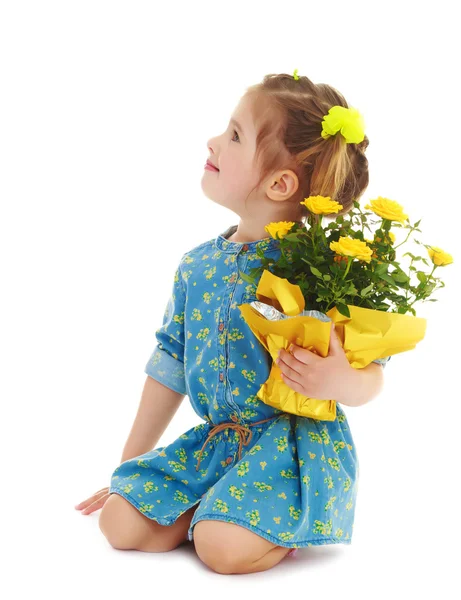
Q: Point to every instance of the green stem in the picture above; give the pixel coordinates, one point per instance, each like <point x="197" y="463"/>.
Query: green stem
<point x="428" y="279"/>
<point x="405" y="240"/>
<point x="349" y="262"/>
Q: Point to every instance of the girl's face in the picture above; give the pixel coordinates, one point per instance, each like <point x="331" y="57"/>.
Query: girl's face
<point x="232" y="153"/>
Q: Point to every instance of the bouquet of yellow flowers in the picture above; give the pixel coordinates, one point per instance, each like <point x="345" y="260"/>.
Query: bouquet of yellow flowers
<point x="348" y="279"/>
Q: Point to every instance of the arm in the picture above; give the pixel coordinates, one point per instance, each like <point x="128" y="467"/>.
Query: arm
<point x="157" y="407"/>
<point x="363" y="385"/>
<point x="165" y="386"/>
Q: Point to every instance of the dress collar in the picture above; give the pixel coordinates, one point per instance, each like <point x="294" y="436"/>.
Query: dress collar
<point x="265" y="244"/>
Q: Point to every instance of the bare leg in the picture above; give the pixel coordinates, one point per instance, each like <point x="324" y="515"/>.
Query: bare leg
<point x="267" y="561"/>
<point x="126" y="528"/>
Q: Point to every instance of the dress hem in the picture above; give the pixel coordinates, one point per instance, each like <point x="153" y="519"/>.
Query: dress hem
<point x="237" y="520"/>
<point x="159" y="520"/>
<point x="268" y="536"/>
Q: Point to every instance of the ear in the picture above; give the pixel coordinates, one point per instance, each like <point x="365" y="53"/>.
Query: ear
<point x="282" y="185"/>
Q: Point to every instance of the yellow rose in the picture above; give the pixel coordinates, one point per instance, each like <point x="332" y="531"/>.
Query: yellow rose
<point x="348" y="246"/>
<point x="439" y="257"/>
<point x="321" y="205"/>
<point x="281" y="228"/>
<point x="387" y="209"/>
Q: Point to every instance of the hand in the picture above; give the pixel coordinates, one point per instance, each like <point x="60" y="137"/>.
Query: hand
<point x="315" y="376"/>
<point x="94" y="502"/>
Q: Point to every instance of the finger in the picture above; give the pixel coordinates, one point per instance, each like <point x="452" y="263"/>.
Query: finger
<point x="286" y="359"/>
<point x="97" y="504"/>
<point x="306" y="356"/>
<point x="294" y="385"/>
<point x="89" y="500"/>
<point x="290" y="373"/>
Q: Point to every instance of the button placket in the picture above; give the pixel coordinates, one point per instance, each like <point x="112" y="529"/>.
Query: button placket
<point x="232" y="283"/>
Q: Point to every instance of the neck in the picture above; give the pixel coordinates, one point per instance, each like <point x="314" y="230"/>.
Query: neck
<point x="247" y="233"/>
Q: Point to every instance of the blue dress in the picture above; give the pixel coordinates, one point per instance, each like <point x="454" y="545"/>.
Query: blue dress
<point x="287" y="478"/>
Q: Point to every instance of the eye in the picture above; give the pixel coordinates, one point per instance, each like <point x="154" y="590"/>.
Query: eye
<point x="236" y="135"/>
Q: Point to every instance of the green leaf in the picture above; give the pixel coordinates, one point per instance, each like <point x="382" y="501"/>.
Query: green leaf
<point x="316" y="272"/>
<point x="381" y="268"/>
<point x="365" y="291"/>
<point x="387" y="278"/>
<point x="343" y="309"/>
<point x="291" y="237"/>
<point x="421" y="276"/>
<point x="352" y="290"/>
<point x="401" y="277"/>
<point x="246" y="278"/>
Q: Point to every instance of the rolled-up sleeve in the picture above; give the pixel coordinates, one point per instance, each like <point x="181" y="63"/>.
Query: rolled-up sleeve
<point x="166" y="363"/>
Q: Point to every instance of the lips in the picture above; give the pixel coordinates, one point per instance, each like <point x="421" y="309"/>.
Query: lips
<point x="210" y="164"/>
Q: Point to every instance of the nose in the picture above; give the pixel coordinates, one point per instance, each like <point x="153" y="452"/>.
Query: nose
<point x="211" y="153"/>
<point x="210" y="144"/>
<point x="213" y="144"/>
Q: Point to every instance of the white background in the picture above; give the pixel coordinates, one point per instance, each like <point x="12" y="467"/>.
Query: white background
<point x="105" y="111"/>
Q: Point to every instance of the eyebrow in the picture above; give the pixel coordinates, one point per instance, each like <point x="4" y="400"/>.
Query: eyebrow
<point x="237" y="124"/>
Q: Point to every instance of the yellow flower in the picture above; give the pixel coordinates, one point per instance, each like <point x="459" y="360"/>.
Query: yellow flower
<point x="281" y="228"/>
<point x="387" y="209"/>
<point x="321" y="205"/>
<point x="348" y="246"/>
<point x="439" y="257"/>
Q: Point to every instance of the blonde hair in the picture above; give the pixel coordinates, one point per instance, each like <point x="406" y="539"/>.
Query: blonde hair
<point x="288" y="116"/>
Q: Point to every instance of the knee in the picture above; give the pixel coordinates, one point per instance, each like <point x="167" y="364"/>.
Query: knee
<point x="214" y="550"/>
<point x="113" y="521"/>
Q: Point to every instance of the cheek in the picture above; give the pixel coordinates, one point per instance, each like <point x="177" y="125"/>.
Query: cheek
<point x="236" y="173"/>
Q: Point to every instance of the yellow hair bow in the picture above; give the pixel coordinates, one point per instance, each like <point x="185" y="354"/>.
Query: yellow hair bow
<point x="346" y="120"/>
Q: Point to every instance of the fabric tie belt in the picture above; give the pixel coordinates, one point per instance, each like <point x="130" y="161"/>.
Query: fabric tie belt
<point x="244" y="432"/>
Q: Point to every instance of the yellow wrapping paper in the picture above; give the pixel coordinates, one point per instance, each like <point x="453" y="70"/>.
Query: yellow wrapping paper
<point x="367" y="335"/>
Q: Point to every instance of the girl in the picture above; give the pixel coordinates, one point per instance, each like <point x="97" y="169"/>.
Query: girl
<point x="251" y="482"/>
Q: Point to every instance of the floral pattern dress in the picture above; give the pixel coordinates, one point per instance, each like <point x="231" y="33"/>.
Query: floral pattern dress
<point x="290" y="479"/>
